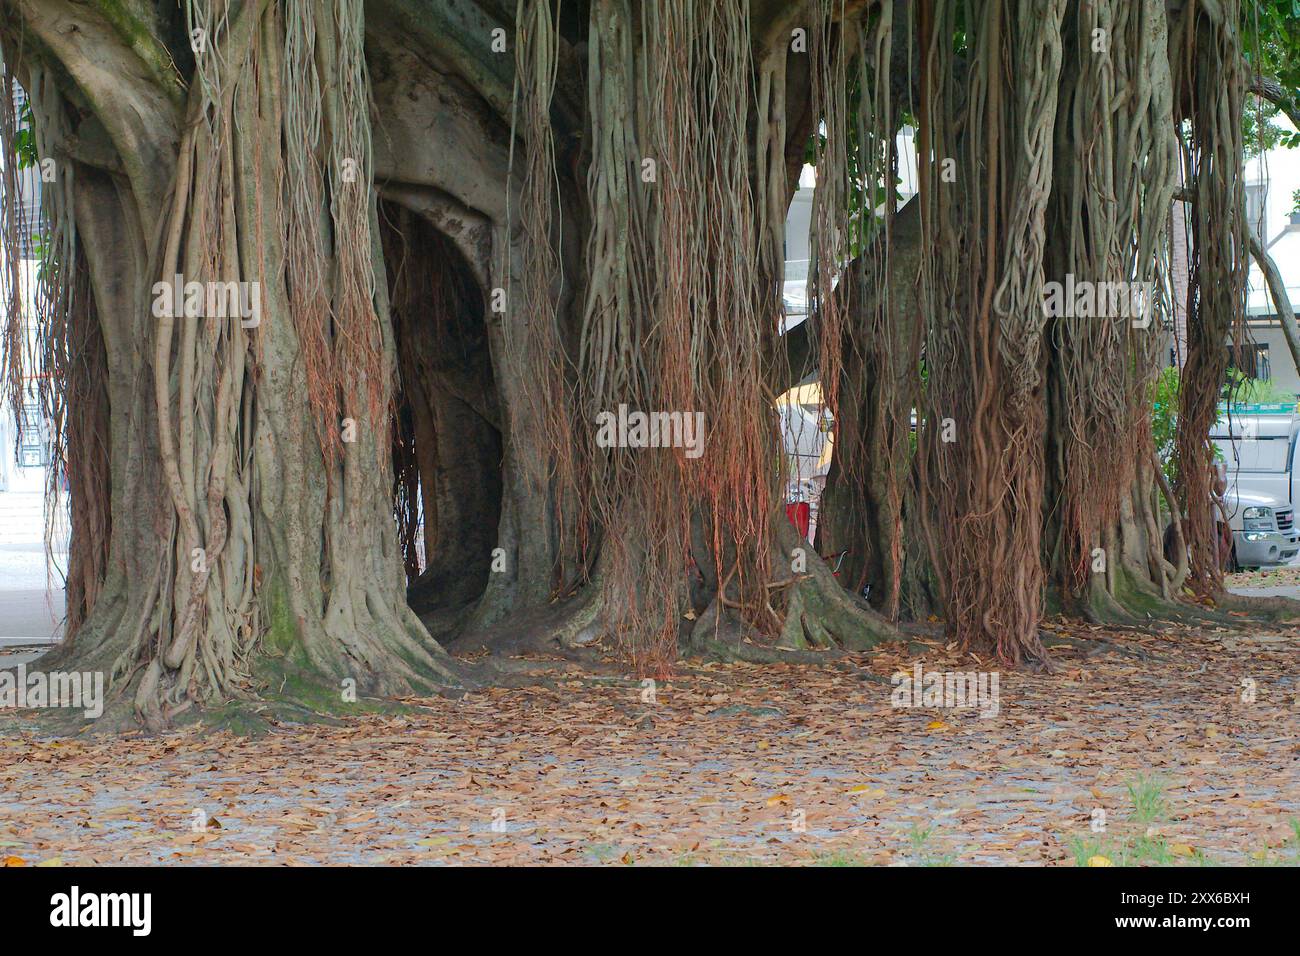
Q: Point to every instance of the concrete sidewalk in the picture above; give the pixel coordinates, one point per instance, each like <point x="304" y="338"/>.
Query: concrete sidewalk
<point x="30" y="616"/>
<point x="31" y="583"/>
<point x="13" y="655"/>
<point x="1282" y="591"/>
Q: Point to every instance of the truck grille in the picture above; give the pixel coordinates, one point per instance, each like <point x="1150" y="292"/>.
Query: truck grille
<point x="1285" y="520"/>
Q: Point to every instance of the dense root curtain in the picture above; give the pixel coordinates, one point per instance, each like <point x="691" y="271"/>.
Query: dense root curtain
<point x="1115" y="174"/>
<point x="985" y="177"/>
<point x="678" y="320"/>
<point x="1209" y="86"/>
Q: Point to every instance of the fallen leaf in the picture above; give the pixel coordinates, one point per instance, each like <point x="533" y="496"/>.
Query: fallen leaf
<point x="865" y="790"/>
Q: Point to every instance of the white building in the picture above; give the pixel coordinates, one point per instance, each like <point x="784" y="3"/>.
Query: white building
<point x="1272" y="195"/>
<point x="23" y="458"/>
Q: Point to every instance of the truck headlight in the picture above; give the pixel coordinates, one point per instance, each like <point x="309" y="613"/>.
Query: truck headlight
<point x="1257" y="519"/>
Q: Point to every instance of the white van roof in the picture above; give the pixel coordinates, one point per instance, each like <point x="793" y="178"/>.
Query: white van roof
<point x="1246" y="427"/>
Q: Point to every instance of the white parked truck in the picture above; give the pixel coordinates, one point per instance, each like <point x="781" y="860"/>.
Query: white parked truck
<point x="1259" y="449"/>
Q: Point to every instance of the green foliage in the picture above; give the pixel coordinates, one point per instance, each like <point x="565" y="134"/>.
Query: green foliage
<point x="918" y="839"/>
<point x="1164" y="420"/>
<point x="1147" y="795"/>
<point x="864" y="198"/>
<point x="840" y="858"/>
<point x="1271" y="41"/>
<point x="1288" y="854"/>
<point x="1260" y="131"/>
<point x="1136" y="841"/>
<point x="45" y="261"/>
<point x="25" y="139"/>
<point x="24" y="147"/>
<point x="1240" y="389"/>
<point x="868" y="190"/>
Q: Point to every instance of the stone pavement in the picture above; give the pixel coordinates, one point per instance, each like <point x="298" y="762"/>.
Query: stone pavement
<point x="31" y="589"/>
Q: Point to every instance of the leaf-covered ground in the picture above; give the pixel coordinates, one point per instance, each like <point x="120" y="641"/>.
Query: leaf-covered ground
<point x="730" y="764"/>
<point x="1283" y="576"/>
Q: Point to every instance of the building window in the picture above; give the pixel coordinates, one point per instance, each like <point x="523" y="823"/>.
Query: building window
<point x="1253" y="362"/>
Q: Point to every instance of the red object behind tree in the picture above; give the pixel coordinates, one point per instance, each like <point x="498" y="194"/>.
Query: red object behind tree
<point x="800" y="515"/>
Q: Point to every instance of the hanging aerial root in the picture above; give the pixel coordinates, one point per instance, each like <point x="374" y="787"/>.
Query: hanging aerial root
<point x="982" y="432"/>
<point x="1211" y="82"/>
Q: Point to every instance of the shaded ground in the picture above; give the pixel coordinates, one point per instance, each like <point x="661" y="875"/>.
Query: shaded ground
<point x="731" y="764"/>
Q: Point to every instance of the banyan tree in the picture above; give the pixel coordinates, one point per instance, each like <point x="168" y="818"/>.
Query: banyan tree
<point x="335" y="298"/>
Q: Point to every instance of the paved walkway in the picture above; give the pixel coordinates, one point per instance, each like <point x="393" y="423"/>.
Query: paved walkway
<point x="728" y="764"/>
<point x="30" y="616"/>
<point x="1281" y="581"/>
<point x="1289" y="592"/>
<point x="31" y="588"/>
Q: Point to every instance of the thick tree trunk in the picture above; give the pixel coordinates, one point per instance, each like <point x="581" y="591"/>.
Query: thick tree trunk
<point x="255" y="562"/>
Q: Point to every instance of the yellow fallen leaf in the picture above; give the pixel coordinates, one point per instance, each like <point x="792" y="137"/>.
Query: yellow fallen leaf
<point x="52" y="861"/>
<point x="1099" y="861"/>
<point x="867" y="791"/>
<point x="13" y="861"/>
<point x="1181" y="849"/>
<point x="779" y="800"/>
<point x="433" y="841"/>
<point x="937" y="725"/>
